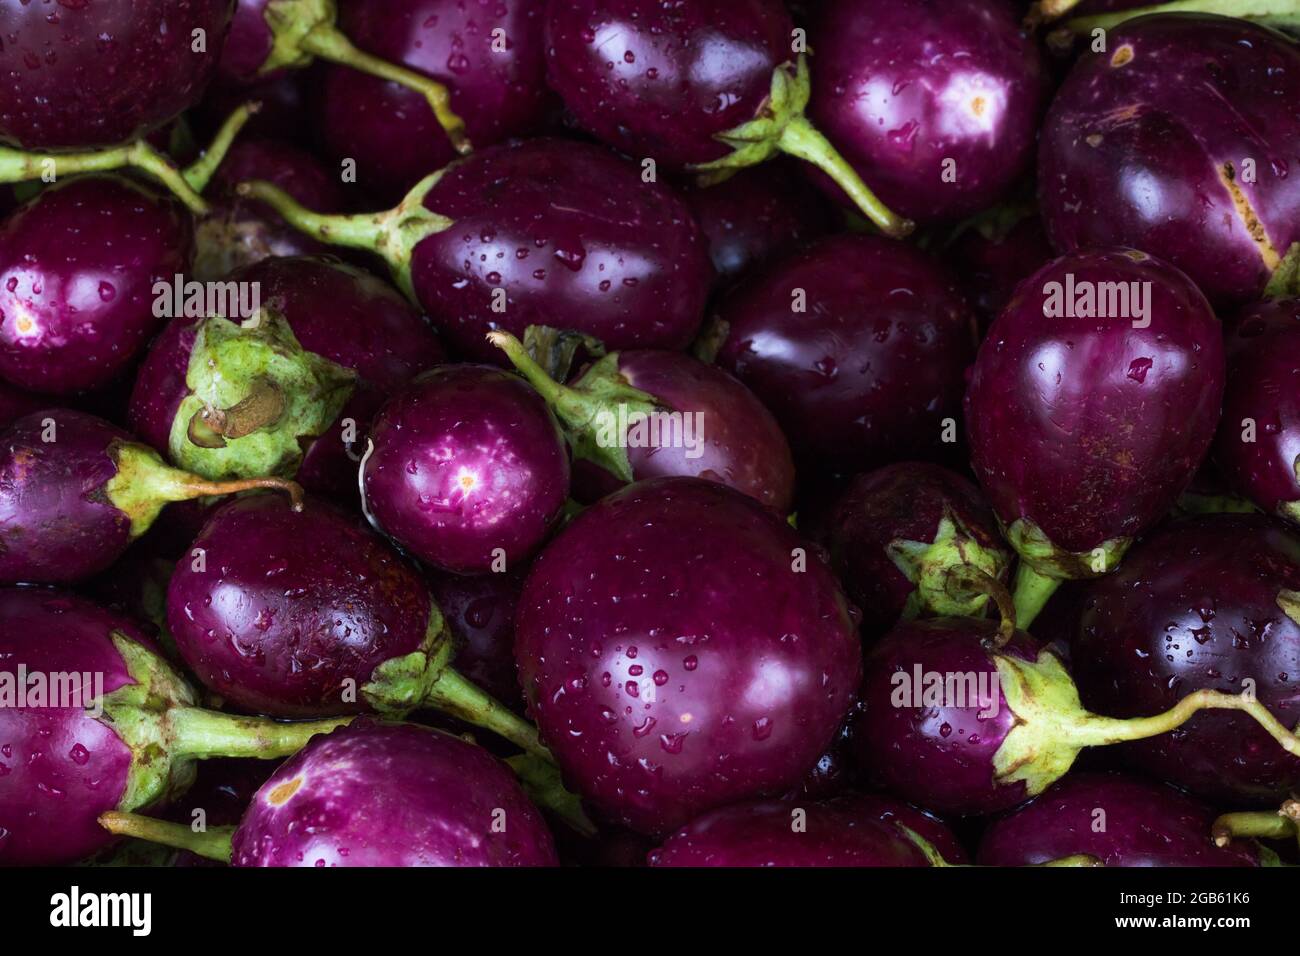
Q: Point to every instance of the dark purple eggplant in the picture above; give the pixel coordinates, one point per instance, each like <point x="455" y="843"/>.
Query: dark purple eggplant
<point x="935" y="103"/>
<point x="542" y="233"/>
<point x="479" y="610"/>
<point x="709" y="86"/>
<point x="270" y="36"/>
<point x="1091" y="405"/>
<point x="680" y="650"/>
<point x="857" y="345"/>
<point x="374" y="794"/>
<point x="963" y="716"/>
<point x="488" y="53"/>
<point x="781" y="833"/>
<point x="79" y="266"/>
<point x="1257" y="449"/>
<point x="1180" y="139"/>
<point x="75" y="491"/>
<point x="1206" y="603"/>
<point x="466" y="469"/>
<point x="993" y="256"/>
<point x="757" y="216"/>
<point x="1117" y="820"/>
<point x="92" y="720"/>
<point x="79" y="75"/>
<point x="646" y="413"/>
<point x="896" y="534"/>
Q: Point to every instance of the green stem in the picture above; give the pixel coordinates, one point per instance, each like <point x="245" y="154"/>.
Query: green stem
<point x="203" y="734"/>
<point x="800" y="138"/>
<point x="964" y="579"/>
<point x="213" y="844"/>
<point x="1033" y="591"/>
<point x="199" y="173"/>
<point x="552" y="391"/>
<point x="1079" y="859"/>
<point x="1277" y="13"/>
<point x="329" y="43"/>
<point x="453" y="694"/>
<point x="541" y="780"/>
<point x="1263" y="824"/>
<point x="1094" y="730"/>
<point x="18" y="166"/>
<point x="392" y="234"/>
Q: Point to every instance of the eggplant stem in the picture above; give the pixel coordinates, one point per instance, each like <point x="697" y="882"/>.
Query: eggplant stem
<point x="213" y="844"/>
<point x="203" y="734"/>
<point x="1033" y="591"/>
<point x="327" y="42"/>
<point x="967" y="577"/>
<point x="199" y="173"/>
<point x="195" y="487"/>
<point x="1265" y="824"/>
<point x="455" y="695"/>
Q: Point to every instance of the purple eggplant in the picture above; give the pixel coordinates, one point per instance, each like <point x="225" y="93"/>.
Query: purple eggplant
<point x="653" y="414"/>
<point x="1259" y="319"/>
<point x="290" y="389"/>
<point x="488" y="53"/>
<point x="935" y="103"/>
<point x="1211" y="602"/>
<point x="680" y="650"/>
<point x="1091" y="405"/>
<point x="479" y="610"/>
<point x="374" y="794"/>
<point x="857" y="345"/>
<point x="79" y="264"/>
<point x="776" y="833"/>
<point x="1181" y="140"/>
<point x="963" y="716"/>
<point x="310" y="613"/>
<point x="709" y="86"/>
<point x="1117" y="820"/>
<point x="268" y="37"/>
<point x="547" y="233"/>
<point x="75" y="491"/>
<point x="80" y="75"/>
<point x="466" y="469"/>
<point x="238" y="233"/>
<point x="1257" y="449"/>
<point x="897" y="532"/>
<point x="92" y="720"/>
<point x="758" y="215"/>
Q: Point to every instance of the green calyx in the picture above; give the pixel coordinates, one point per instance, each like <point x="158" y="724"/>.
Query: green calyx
<point x="255" y="395"/>
<point x="541" y="781"/>
<point x="596" y="413"/>
<point x="402" y="684"/>
<point x="930" y="565"/>
<point x="1052" y="726"/>
<point x="1285" y="282"/>
<point x="1275" y="13"/>
<point x="781" y="126"/>
<point x="144" y="484"/>
<point x="1044" y="565"/>
<point x="156" y="717"/>
<point x="303" y="30"/>
<point x="392" y="234"/>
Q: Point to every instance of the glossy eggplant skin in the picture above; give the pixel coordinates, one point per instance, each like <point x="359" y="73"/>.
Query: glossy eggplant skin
<point x="1090" y="427"/>
<point x="468" y="469"/>
<point x="78" y="266"/>
<point x="575" y="239"/>
<point x="1196" y="605"/>
<point x="1118" y="820"/>
<point x="857" y="344"/>
<point x="59" y="749"/>
<point x="764" y="834"/>
<point x="488" y="53"/>
<point x="1258" y="443"/>
<point x="936" y="103"/>
<point x="1181" y="140"/>
<point x="662" y="80"/>
<point x="399" y="795"/>
<point x="99" y="73"/>
<point x="674" y="658"/>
